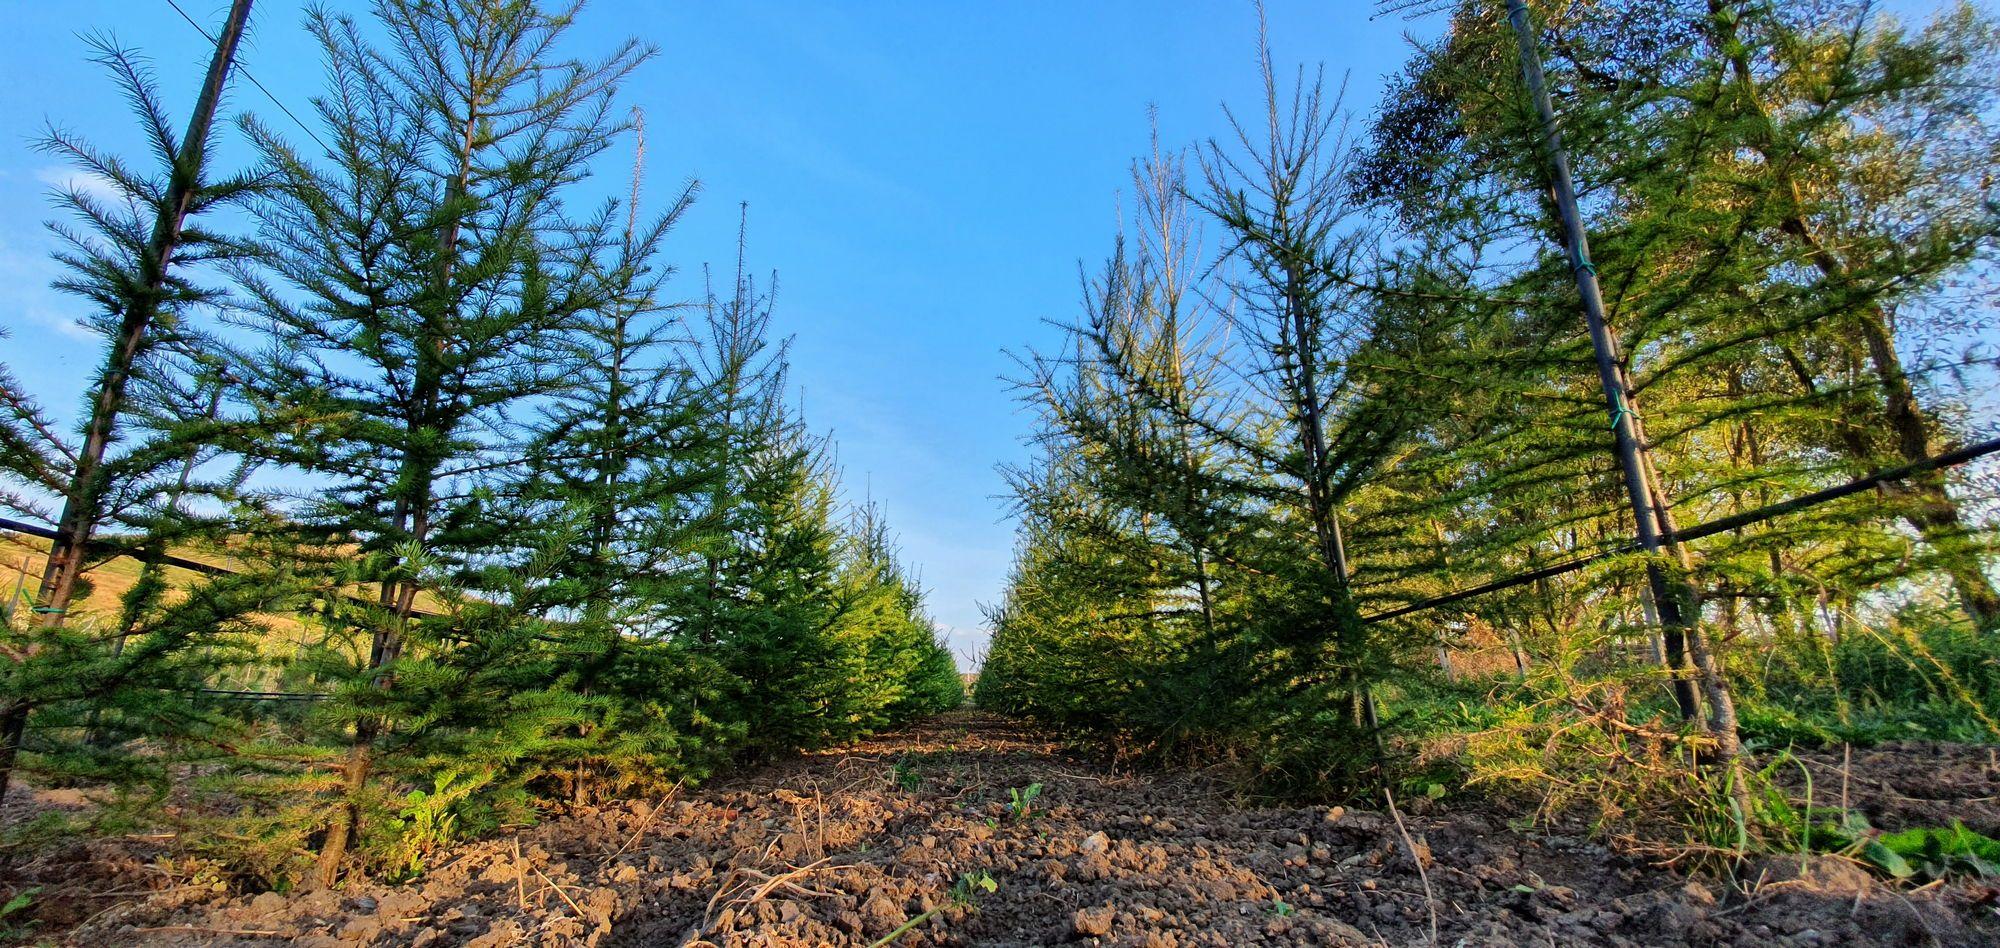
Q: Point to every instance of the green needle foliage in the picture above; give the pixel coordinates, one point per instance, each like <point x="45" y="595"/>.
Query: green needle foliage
<point x="1371" y="385"/>
<point x="563" y="536"/>
<point x="77" y="686"/>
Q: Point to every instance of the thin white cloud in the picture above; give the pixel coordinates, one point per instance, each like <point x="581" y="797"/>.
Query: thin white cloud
<point x="64" y="324"/>
<point x="26" y="298"/>
<point x="63" y="178"/>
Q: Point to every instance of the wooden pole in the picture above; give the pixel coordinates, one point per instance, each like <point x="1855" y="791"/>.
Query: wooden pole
<point x="82" y="505"/>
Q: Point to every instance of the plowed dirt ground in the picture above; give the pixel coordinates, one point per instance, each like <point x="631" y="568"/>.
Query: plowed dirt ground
<point x="842" y="848"/>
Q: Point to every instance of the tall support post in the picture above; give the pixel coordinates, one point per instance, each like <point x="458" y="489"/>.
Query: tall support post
<point x="1678" y="611"/>
<point x="83" y="503"/>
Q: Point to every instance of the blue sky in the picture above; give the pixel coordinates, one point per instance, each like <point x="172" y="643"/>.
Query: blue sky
<point x="924" y="177"/>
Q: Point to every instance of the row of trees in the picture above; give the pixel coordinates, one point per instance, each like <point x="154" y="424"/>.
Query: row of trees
<point x="1329" y="371"/>
<point x="502" y="520"/>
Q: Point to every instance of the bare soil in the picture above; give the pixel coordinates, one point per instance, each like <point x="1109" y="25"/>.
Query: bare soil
<point x="841" y="848"/>
<point x="1909" y="784"/>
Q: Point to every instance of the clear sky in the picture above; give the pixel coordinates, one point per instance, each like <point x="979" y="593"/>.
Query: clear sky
<point x="925" y="178"/>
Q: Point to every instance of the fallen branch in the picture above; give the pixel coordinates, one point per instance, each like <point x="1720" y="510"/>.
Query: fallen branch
<point x="1430" y="897"/>
<point x="578" y="909"/>
<point x="770" y="883"/>
<point x="647" y="823"/>
<point x="206" y="930"/>
<point x="520" y="880"/>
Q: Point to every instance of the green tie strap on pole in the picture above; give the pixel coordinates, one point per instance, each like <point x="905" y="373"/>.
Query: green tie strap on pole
<point x="1618" y="411"/>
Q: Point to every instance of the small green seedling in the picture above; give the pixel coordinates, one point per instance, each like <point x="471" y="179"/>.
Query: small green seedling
<point x="968" y="890"/>
<point x="19" y="903"/>
<point x="907" y="777"/>
<point x="973" y="885"/>
<point x="1021" y="800"/>
<point x="1934" y="853"/>
<point x="1283" y="909"/>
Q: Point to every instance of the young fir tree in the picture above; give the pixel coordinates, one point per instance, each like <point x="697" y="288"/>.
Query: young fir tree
<point x="776" y="591"/>
<point x="132" y="258"/>
<point x="1131" y="464"/>
<point x="885" y="646"/>
<point x="1333" y="419"/>
<point x="420" y="277"/>
<point x="621" y="460"/>
<point x="817" y="628"/>
<point x="1188" y="532"/>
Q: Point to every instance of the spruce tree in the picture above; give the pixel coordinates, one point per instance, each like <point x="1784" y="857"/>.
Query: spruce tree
<point x="620" y="459"/>
<point x="1206" y="444"/>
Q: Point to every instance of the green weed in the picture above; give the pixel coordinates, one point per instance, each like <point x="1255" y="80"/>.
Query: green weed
<point x="1773" y="823"/>
<point x="968" y="890"/>
<point x="22" y="900"/>
<point x="1021" y="801"/>
<point x="906" y="776"/>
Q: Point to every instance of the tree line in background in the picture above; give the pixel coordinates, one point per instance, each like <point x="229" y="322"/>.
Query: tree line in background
<point x="504" y="523"/>
<point x="1329" y="370"/>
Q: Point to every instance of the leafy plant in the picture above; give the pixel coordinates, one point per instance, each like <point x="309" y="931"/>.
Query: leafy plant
<point x="431" y="820"/>
<point x="906" y="775"/>
<point x="968" y="890"/>
<point x="1934" y="853"/>
<point x="1775" y="823"/>
<point x="1021" y="801"/>
<point x="15" y="906"/>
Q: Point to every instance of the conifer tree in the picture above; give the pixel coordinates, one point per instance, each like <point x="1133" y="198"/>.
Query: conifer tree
<point x="421" y="274"/>
<point x="885" y="647"/>
<point x="819" y="629"/>
<point x="1188" y="550"/>
<point x="1713" y="155"/>
<point x="130" y="260"/>
<point x="777" y="606"/>
<point x="620" y="459"/>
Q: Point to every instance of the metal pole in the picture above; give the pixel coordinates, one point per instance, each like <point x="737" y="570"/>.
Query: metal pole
<point x="1638" y="485"/>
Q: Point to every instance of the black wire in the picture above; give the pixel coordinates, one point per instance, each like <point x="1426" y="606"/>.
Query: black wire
<point x="247" y="74"/>
<point x="1713" y="527"/>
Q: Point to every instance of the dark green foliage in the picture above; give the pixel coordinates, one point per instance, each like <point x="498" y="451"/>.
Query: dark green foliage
<point x="77" y="688"/>
<point x="565" y="540"/>
<point x="933" y="682"/>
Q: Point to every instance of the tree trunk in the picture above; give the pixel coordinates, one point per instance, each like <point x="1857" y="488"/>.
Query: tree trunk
<point x="419" y="466"/>
<point x="82" y="502"/>
<point x="1936" y="515"/>
<point x="1348" y="642"/>
<point x="1674" y="598"/>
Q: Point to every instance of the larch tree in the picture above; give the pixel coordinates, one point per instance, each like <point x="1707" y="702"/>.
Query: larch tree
<point x="131" y="260"/>
<point x="420" y="273"/>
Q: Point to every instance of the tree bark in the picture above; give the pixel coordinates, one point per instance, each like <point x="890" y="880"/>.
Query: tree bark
<point x="1679" y="610"/>
<point x="1936" y="514"/>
